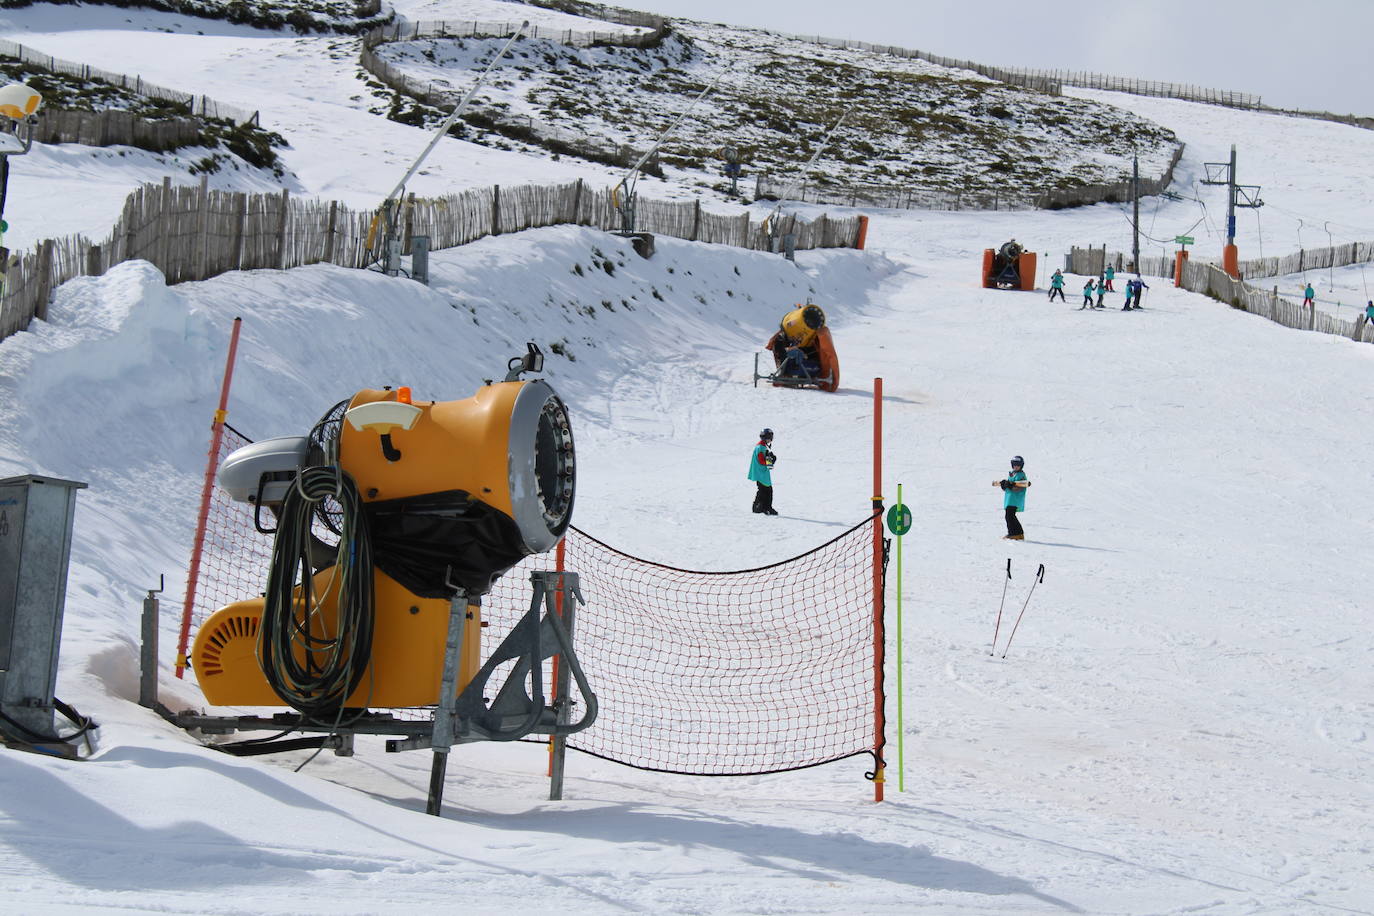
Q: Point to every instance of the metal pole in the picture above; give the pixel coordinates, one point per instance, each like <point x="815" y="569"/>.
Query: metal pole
<point x="1231" y="200"/>
<point x="147" y="681"/>
<point x="879" y="635"/>
<point x="448" y="122"/>
<point x="441" y="739"/>
<point x="1135" y="218"/>
<point x="901" y="756"/>
<point x="564" y="604"/>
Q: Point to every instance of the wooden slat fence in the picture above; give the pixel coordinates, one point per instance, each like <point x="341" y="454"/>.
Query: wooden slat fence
<point x="447" y="28"/>
<point x="114" y="127"/>
<point x="1010" y="198"/>
<point x="1088" y="80"/>
<point x="1215" y="282"/>
<point x="1091" y="262"/>
<point x="195" y="105"/>
<point x="1308" y="259"/>
<point x="190" y="232"/>
<point x="603" y="12"/>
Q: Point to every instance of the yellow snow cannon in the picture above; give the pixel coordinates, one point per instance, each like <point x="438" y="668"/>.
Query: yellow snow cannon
<point x="395" y="506"/>
<point x="803" y="352"/>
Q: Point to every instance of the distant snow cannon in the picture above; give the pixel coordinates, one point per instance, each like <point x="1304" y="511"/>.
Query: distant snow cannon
<point x="1009" y="267"/>
<point x="803" y="352"/>
<point x="386" y="513"/>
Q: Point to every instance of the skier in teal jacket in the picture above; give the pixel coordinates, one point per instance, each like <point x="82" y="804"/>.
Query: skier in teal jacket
<point x="761" y="472"/>
<point x="1014" y="497"/>
<point x="1057" y="286"/>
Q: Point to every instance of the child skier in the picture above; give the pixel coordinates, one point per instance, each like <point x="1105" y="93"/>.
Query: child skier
<point x="1101" y="291"/>
<point x="1087" y="295"/>
<point x="1014" y="497"/>
<point x="760" y="471"/>
<point x="1057" y="286"/>
<point x="1309" y="297"/>
<point x="1110" y="275"/>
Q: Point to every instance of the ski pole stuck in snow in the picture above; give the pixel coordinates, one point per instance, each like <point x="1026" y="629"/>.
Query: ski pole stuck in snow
<point x="1039" y="577"/>
<point x="998" y="625"/>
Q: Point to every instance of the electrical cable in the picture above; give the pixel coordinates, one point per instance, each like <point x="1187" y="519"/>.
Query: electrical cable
<point x="311" y="662"/>
<point x="83" y="724"/>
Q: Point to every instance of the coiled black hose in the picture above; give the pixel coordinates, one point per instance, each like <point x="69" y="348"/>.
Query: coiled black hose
<point x="314" y="660"/>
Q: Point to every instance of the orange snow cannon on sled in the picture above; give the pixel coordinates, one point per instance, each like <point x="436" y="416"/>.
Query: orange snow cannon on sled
<point x="803" y="352"/>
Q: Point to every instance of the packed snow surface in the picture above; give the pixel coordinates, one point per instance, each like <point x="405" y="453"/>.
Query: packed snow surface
<point x="1183" y="723"/>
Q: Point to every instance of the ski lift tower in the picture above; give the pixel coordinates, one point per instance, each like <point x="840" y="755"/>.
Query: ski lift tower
<point x="18" y="115"/>
<point x="1238" y="195"/>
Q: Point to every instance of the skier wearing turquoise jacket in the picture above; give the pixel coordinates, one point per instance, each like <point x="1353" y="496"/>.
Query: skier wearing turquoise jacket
<point x="1014" y="497"/>
<point x="1057" y="286"/>
<point x="761" y="472"/>
<point x="1369" y="311"/>
<point x="1109" y="275"/>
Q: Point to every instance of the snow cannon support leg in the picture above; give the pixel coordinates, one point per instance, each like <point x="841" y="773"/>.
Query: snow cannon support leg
<point x="988" y="281"/>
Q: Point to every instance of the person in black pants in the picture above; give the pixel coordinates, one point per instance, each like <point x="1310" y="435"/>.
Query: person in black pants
<point x="1014" y="497"/>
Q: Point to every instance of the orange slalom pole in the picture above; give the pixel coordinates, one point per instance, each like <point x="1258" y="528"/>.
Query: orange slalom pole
<point x="216" y="437"/>
<point x="879" y="631"/>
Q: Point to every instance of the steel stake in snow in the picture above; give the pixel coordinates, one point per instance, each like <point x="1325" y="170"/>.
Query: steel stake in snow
<point x="1039" y="577"/>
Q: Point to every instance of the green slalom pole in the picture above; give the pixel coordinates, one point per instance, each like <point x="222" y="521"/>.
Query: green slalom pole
<point x="901" y="724"/>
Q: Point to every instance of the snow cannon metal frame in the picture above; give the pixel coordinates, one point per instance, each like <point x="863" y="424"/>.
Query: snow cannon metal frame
<point x="819" y="366"/>
<point x="1009" y="269"/>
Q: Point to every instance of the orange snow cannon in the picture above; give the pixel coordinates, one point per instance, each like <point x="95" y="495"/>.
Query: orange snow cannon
<point x="803" y="352"/>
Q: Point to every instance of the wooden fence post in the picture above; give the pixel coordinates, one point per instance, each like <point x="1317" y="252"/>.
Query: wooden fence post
<point x="164" y="237"/>
<point x="408" y="232"/>
<point x="696" y="220"/>
<point x="241" y="225"/>
<point x="93" y="261"/>
<point x="329" y="233"/>
<point x="577" y="204"/>
<point x="281" y="228"/>
<point x="203" y="255"/>
<point x="496" y="209"/>
<point x="44" y="280"/>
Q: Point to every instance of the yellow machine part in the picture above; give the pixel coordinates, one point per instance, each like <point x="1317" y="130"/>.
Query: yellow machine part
<point x="454" y="445"/>
<point x="794" y="326"/>
<point x="407" y="649"/>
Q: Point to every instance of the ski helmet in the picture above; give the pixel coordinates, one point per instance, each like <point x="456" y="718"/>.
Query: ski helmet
<point x="1017" y="461"/>
<point x="766" y="435"/>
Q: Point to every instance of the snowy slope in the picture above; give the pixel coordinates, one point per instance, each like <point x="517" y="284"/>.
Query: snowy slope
<point x="1182" y="725"/>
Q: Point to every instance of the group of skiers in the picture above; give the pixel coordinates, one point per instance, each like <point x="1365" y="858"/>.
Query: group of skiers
<point x="1135" y="290"/>
<point x="1014" y="485"/>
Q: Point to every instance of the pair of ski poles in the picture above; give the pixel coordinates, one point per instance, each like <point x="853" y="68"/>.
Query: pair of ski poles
<point x="1039" y="577"/>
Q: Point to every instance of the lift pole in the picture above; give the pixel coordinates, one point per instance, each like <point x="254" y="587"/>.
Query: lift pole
<point x="393" y="199"/>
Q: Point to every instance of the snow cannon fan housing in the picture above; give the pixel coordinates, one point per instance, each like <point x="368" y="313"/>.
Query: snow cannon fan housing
<point x="458" y="492"/>
<point x="803" y="323"/>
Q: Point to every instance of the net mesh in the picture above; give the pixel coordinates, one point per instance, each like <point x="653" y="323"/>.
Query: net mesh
<point x="704" y="673"/>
